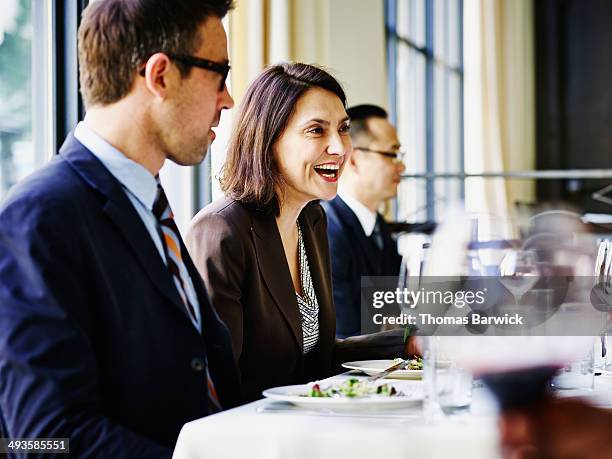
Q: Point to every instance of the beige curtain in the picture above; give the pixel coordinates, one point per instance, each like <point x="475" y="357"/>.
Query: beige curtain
<point x="348" y="40"/>
<point x="499" y="101"/>
<point x="263" y="32"/>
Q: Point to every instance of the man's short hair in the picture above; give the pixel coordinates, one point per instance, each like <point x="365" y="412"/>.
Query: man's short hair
<point x="116" y="37"/>
<point x="359" y="114"/>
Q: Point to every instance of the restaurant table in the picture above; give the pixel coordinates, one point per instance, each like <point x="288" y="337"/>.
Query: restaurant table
<point x="268" y="430"/>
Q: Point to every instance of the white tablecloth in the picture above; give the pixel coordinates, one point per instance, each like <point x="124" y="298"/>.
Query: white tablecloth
<point x="246" y="432"/>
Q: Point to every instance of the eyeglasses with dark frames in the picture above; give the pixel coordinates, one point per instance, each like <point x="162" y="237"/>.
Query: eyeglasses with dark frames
<point x="192" y="61"/>
<point x="222" y="68"/>
<point x="396" y="156"/>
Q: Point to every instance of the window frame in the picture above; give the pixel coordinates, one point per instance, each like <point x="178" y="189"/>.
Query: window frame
<point x="428" y="52"/>
<point x="69" y="108"/>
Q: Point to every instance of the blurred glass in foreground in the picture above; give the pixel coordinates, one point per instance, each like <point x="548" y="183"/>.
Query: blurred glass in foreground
<point x="541" y="263"/>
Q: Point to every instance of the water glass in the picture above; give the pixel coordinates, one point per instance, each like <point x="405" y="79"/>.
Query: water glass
<point x="447" y="386"/>
<point x="454" y="388"/>
<point x="577" y="375"/>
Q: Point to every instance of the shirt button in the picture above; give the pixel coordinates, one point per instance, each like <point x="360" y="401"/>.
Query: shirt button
<point x="197" y="364"/>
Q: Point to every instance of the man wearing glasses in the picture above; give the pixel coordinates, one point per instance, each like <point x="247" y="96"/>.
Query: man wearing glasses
<point x="107" y="336"/>
<point x="360" y="242"/>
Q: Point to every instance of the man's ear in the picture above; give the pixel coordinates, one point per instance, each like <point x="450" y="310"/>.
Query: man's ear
<point x="157" y="74"/>
<point x="353" y="159"/>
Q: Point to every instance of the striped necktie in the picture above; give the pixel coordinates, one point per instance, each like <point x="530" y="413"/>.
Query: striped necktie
<point x="171" y="240"/>
<point x="172" y="247"/>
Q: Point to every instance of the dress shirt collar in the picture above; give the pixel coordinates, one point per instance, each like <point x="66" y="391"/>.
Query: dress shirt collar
<point x="366" y="217"/>
<point x="134" y="177"/>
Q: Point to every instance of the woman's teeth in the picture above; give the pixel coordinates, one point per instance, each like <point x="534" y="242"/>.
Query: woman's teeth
<point x="327" y="170"/>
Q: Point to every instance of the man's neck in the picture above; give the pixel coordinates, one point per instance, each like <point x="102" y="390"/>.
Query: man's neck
<point x="356" y="193"/>
<point x="127" y="132"/>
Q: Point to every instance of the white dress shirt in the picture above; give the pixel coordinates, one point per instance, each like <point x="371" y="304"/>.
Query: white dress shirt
<point x="139" y="185"/>
<point x="366" y="217"/>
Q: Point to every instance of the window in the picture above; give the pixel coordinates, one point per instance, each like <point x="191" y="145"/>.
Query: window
<point x="16" y="147"/>
<point x="26" y="116"/>
<point x="424" y="54"/>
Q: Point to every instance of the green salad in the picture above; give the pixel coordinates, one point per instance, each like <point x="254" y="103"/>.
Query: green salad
<point x="415" y="364"/>
<point x="351" y="388"/>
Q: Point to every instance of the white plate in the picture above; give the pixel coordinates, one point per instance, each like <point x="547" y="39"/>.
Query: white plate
<point x="371" y="367"/>
<point x="295" y="395"/>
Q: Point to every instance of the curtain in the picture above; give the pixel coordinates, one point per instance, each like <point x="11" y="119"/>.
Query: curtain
<point x="264" y="32"/>
<point x="499" y="78"/>
<point x="349" y="41"/>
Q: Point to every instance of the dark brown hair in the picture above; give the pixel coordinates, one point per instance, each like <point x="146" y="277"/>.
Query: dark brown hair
<point x="250" y="174"/>
<point x="118" y="36"/>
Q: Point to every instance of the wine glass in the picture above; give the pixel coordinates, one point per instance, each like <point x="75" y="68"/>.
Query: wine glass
<point x="602" y="274"/>
<point x="518" y="368"/>
<point x="491" y="237"/>
<point x="602" y="261"/>
<point x="519" y="272"/>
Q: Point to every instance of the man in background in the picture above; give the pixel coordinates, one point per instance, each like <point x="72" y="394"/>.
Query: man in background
<point x="107" y="336"/>
<point x="359" y="238"/>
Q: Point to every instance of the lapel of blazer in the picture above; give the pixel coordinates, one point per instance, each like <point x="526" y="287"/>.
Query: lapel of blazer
<point x="392" y="260"/>
<point x="350" y="221"/>
<point x="217" y="341"/>
<point x="125" y="218"/>
<point x="274" y="269"/>
<point x="213" y="329"/>
<point x="313" y="224"/>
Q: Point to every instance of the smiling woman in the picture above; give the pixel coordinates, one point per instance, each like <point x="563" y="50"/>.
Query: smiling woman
<point x="262" y="250"/>
<point x="289" y="108"/>
<point x="318" y="130"/>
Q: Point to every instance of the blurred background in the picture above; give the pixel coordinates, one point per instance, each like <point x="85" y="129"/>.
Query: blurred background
<point x="486" y="94"/>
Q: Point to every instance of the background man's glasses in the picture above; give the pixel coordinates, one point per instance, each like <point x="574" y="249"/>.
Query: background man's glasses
<point x="396" y="156"/>
<point x="222" y="68"/>
<point x="192" y="61"/>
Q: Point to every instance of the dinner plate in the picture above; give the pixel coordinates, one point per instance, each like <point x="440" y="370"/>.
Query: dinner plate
<point x="296" y="395"/>
<point x="371" y="367"/>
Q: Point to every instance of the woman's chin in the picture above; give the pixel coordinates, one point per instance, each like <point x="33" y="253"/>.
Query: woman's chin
<point x="328" y="195"/>
<point x="319" y="193"/>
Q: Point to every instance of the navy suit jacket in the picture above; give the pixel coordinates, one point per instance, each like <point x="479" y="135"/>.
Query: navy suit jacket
<point x="95" y="342"/>
<point x="353" y="255"/>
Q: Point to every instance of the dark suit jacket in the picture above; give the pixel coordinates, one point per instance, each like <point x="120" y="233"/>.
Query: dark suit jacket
<point x="240" y="255"/>
<point x="95" y="343"/>
<point x="353" y="255"/>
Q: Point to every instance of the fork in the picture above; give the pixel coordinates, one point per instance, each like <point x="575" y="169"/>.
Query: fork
<point x="389" y="370"/>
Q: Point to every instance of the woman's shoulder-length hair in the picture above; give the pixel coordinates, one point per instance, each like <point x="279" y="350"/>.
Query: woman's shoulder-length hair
<point x="250" y="174"/>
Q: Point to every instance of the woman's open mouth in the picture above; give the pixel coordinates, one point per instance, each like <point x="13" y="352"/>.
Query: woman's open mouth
<point x="328" y="172"/>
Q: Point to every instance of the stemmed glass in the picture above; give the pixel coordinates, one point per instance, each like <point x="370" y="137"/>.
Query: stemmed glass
<point x="491" y="237"/>
<point x="602" y="273"/>
<point x="602" y="260"/>
<point x="519" y="272"/>
<point x="518" y="368"/>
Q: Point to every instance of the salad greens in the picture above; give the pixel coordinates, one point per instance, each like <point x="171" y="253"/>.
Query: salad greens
<point x="415" y="364"/>
<point x="353" y="387"/>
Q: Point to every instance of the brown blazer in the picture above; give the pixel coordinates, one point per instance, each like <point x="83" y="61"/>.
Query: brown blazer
<point x="239" y="253"/>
